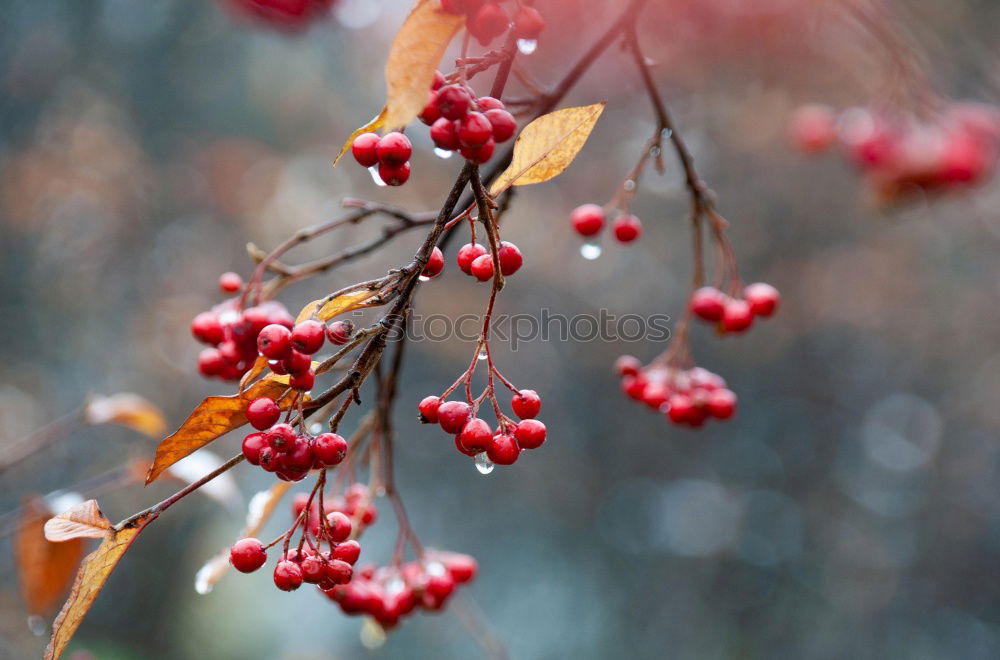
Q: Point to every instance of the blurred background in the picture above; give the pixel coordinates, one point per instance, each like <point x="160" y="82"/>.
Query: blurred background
<point x="849" y="510"/>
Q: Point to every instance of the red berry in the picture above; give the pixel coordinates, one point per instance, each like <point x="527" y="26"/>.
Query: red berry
<point x="230" y="282"/>
<point x="338" y="333"/>
<point x="627" y="365"/>
<point x="476" y="436"/>
<point x="281" y="437"/>
<point x="530" y="434"/>
<point x="482" y="267"/>
<point x="627" y="228"/>
<point x="263" y="413"/>
<point x="430" y="113"/>
<point x="297" y="363"/>
<point x="460" y="447"/>
<point x="721" y="404"/>
<point x="503" y="123"/>
<point x="479" y="154"/>
<point x="211" y="362"/>
<point x="813" y="128"/>
<point x="206" y="328"/>
<point x="329" y="448"/>
<point x="528" y="23"/>
<point x="444" y="134"/>
<point x="526" y="404"/>
<point x="708" y="303"/>
<point x="736" y="316"/>
<point x="587" y="219"/>
<point x="429" y="409"/>
<point x="338" y="571"/>
<point x="300" y="457"/>
<point x="364" y="149"/>
<point x="467" y="254"/>
<point x="503" y="450"/>
<point x="267" y="458"/>
<point x="453" y="101"/>
<point x="681" y="409"/>
<point x="252" y="444"/>
<point x="287" y="575"/>
<point x="453" y="6"/>
<point x="303" y="381"/>
<point x="348" y="551"/>
<point x="339" y="526"/>
<point x="474" y="130"/>
<point x="307" y="336"/>
<point x="394" y="175"/>
<point x="763" y="298"/>
<point x="313" y="568"/>
<point x="247" y="555"/>
<point x="438" y="77"/>
<point x="278" y="367"/>
<point x="452" y="415"/>
<point x="510" y="258"/>
<point x="487" y="103"/>
<point x="394" y="149"/>
<point x="274" y="342"/>
<point x="488" y="23"/>
<point x="435" y="263"/>
<point x="462" y="568"/>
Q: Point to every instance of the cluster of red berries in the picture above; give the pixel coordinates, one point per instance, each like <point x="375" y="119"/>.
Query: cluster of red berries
<point x="289" y="349"/>
<point x="461" y="122"/>
<point x="685" y="396"/>
<point x="474" y="436"/>
<point x="487" y="20"/>
<point x="291" y="15"/>
<point x="232" y="335"/>
<point x="731" y="314"/>
<point x="589" y="219"/>
<point x="476" y="260"/>
<point x="279" y="449"/>
<point x="356" y="503"/>
<point x="898" y="155"/>
<point x="391" y="153"/>
<point x="389" y="593"/>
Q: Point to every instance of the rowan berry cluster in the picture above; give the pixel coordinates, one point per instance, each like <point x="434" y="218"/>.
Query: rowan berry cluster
<point x="685" y="396"/>
<point x="462" y="122"/>
<point x="733" y="314"/>
<point x="589" y="219"/>
<point x="291" y="15"/>
<point x="389" y="593"/>
<point x="475" y="259"/>
<point x="356" y="503"/>
<point x="286" y="453"/>
<point x="231" y="333"/>
<point x="899" y="154"/>
<point x="487" y="20"/>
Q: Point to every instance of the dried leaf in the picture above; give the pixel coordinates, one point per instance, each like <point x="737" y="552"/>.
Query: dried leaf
<point x="127" y="409"/>
<point x="372" y="126"/>
<point x="84" y="520"/>
<point x="548" y="145"/>
<point x="94" y="572"/>
<point x="339" y="305"/>
<point x="213" y="418"/>
<point x="45" y="569"/>
<point x="259" y="365"/>
<point x="414" y="54"/>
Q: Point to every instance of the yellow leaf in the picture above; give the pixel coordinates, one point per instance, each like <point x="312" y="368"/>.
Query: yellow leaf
<point x="94" y="572"/>
<point x="214" y="417"/>
<point x="44" y="568"/>
<point x="84" y="520"/>
<point x="414" y="54"/>
<point x="548" y="145"/>
<point x="372" y="126"/>
<point x="127" y="409"/>
<point x="325" y="310"/>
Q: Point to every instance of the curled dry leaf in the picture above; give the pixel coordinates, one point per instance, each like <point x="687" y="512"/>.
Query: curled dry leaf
<point x="127" y="409"/>
<point x="94" y="572"/>
<point x="214" y="417"/>
<point x="84" y="520"/>
<point x="325" y="310"/>
<point x="259" y="365"/>
<point x="44" y="568"/>
<point x="548" y="145"/>
<point x="375" y="124"/>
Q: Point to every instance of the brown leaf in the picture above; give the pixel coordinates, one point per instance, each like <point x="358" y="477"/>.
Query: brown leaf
<point x="44" y="569"/>
<point x="84" y="520"/>
<point x="548" y="145"/>
<point x="94" y="572"/>
<point x="213" y="418"/>
<point x="126" y="409"/>
<point x="372" y="126"/>
<point x="348" y="302"/>
<point x="414" y="54"/>
<point x="259" y="365"/>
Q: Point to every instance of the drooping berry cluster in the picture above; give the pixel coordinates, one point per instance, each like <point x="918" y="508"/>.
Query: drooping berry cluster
<point x="289" y="350"/>
<point x="232" y="335"/>
<point x="462" y="122"/>
<point x="685" y="396"/>
<point x="389" y="593"/>
<point x="589" y="219"/>
<point x="390" y="153"/>
<point x="734" y="314"/>
<point x="356" y="503"/>
<point x="474" y="436"/>
<point x="278" y="448"/>
<point x="487" y="20"/>
<point x="900" y="154"/>
<point x="289" y="15"/>
<point x="476" y="260"/>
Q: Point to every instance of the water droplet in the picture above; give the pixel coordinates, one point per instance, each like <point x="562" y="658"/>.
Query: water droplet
<point x="527" y="46"/>
<point x="394" y="587"/>
<point x="316" y="428"/>
<point x="482" y="354"/>
<point x="654" y="151"/>
<point x="443" y="153"/>
<point x="36" y="625"/>
<point x="423" y="278"/>
<point x="590" y="250"/>
<point x="207" y="575"/>
<point x="483" y="463"/>
<point x="373" y="170"/>
<point x="629" y="185"/>
<point x="666" y="133"/>
<point x="435" y="568"/>
<point x="372" y="634"/>
<point x="380" y="491"/>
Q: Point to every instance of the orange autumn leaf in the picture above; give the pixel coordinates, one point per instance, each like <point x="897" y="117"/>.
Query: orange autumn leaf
<point x="127" y="409"/>
<point x="44" y="569"/>
<point x="325" y="310"/>
<point x="84" y="520"/>
<point x="94" y="572"/>
<point x="548" y="145"/>
<point x="213" y="418"/>
<point x="375" y="124"/>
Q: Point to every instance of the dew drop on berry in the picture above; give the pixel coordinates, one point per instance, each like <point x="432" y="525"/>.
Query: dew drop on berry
<point x="483" y="463"/>
<point x="372" y="634"/>
<point x="435" y="568"/>
<point x="527" y="46"/>
<point x="590" y="250"/>
<point x="423" y="278"/>
<point x="373" y="170"/>
<point x="443" y="153"/>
